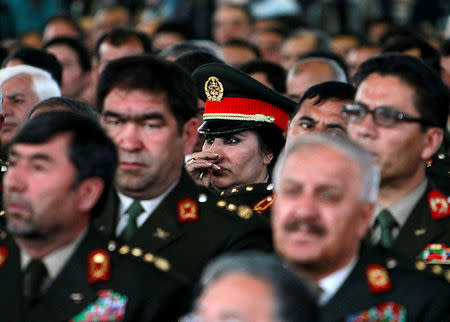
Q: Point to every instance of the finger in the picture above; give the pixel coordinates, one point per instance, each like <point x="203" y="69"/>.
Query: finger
<point x="206" y="155"/>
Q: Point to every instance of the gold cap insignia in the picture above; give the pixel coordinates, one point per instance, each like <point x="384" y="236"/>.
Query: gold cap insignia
<point x="214" y="89"/>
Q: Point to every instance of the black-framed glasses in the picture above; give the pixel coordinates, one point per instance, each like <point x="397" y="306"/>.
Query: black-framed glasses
<point x="383" y="115"/>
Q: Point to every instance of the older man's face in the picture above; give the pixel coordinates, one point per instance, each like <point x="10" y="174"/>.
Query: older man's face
<point x="318" y="218"/>
<point x="19" y="97"/>
<point x="236" y="297"/>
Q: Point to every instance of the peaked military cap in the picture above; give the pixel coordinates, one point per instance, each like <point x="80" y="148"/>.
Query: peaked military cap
<point x="234" y="101"/>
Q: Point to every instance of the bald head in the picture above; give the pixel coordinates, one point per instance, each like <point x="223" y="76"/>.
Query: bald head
<point x="310" y="72"/>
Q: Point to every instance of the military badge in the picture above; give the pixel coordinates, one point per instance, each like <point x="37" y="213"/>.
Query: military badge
<point x="263" y="204"/>
<point x="435" y="254"/>
<point x="438" y="205"/>
<point x="378" y="278"/>
<point x="99" y="266"/>
<point x="388" y="311"/>
<point x="109" y="306"/>
<point x="4" y="253"/>
<point x="214" y="89"/>
<point x="187" y="210"/>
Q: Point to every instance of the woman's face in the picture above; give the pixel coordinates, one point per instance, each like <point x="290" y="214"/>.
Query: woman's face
<point x="240" y="159"/>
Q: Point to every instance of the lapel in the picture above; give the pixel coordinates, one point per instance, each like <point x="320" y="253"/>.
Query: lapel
<point x="420" y="228"/>
<point x="11" y="283"/>
<point x="70" y="293"/>
<point x="163" y="227"/>
<point x="106" y="220"/>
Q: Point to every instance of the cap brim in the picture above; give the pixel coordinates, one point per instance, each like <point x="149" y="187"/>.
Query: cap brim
<point x="217" y="127"/>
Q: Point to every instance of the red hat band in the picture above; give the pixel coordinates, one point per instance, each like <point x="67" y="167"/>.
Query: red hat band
<point x="245" y="109"/>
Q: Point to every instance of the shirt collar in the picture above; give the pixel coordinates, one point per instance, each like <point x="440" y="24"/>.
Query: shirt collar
<point x="401" y="208"/>
<point x="55" y="261"/>
<point x="331" y="284"/>
<point x="149" y="205"/>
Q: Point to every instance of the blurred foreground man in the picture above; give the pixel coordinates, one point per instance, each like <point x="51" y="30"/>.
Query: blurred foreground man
<point x="53" y="263"/>
<point x="399" y="115"/>
<point x="148" y="107"/>
<point x="253" y="287"/>
<point x="325" y="192"/>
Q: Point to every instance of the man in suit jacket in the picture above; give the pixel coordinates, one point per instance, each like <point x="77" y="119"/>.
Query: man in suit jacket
<point x="54" y="266"/>
<point x="408" y="106"/>
<point x="325" y="192"/>
<point x="148" y="107"/>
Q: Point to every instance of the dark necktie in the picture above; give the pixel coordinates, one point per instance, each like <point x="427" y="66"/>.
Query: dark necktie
<point x="133" y="212"/>
<point x="387" y="223"/>
<point x="34" y="277"/>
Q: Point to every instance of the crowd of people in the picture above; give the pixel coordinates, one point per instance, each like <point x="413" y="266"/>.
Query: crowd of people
<point x="269" y="174"/>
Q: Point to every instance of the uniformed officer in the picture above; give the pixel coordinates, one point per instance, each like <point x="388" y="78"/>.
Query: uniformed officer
<point x="54" y="266"/>
<point x="399" y="114"/>
<point x="326" y="187"/>
<point x="148" y="107"/>
<point x="243" y="128"/>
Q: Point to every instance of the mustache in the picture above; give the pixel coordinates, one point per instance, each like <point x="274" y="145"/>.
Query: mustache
<point x="133" y="158"/>
<point x="304" y="225"/>
<point x="12" y="197"/>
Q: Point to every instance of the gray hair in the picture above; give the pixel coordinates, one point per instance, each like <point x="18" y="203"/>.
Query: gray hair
<point x="294" y="296"/>
<point x="370" y="172"/>
<point x="323" y="39"/>
<point x="43" y="83"/>
<point x="338" y="71"/>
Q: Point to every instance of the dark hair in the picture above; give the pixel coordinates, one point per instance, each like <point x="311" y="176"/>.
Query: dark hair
<point x="445" y="47"/>
<point x="294" y="296"/>
<point x="243" y="43"/>
<point x="84" y="58"/>
<point x="75" y="106"/>
<point x="154" y="75"/>
<point x="38" y="58"/>
<point x="177" y="27"/>
<point x="276" y="75"/>
<point x="428" y="53"/>
<point x="69" y="20"/>
<point x="328" y="55"/>
<point x="270" y="139"/>
<point x="244" y="8"/>
<point x="121" y="35"/>
<point x="91" y="151"/>
<point x="190" y="60"/>
<point x="327" y="91"/>
<point x="431" y="95"/>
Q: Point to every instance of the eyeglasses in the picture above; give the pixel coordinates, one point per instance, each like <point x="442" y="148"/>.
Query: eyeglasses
<point x="383" y="116"/>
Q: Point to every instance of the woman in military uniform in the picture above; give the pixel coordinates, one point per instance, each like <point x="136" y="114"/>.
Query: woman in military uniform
<point x="243" y="128"/>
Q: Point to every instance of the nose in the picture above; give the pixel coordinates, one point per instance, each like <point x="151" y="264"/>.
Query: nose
<point x="215" y="147"/>
<point x="366" y="129"/>
<point x="129" y="138"/>
<point x="14" y="180"/>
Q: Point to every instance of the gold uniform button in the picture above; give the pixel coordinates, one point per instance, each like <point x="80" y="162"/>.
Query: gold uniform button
<point x="437" y="269"/>
<point x="136" y="252"/>
<point x="249" y="188"/>
<point x="245" y="212"/>
<point x="149" y="257"/>
<point x="221" y="203"/>
<point x="231" y="207"/>
<point x="420" y="265"/>
<point x="124" y="250"/>
<point x="162" y="264"/>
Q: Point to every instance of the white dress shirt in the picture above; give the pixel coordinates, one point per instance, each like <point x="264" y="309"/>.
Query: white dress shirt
<point x="331" y="284"/>
<point x="148" y="205"/>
